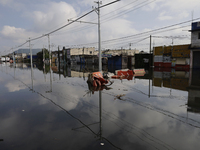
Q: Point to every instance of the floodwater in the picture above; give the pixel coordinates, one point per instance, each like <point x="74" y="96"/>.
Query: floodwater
<point x="56" y="110"/>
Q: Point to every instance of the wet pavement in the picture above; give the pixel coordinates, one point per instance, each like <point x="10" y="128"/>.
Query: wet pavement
<point x="40" y="110"/>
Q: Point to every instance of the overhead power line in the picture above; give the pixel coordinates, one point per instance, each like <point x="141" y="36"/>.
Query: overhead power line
<point x="32" y="39"/>
<point x="72" y="21"/>
<point x="80" y="17"/>
<point x="69" y="23"/>
<point x="47" y="34"/>
<point x="128" y="11"/>
<point x="61" y="27"/>
<point x="172" y="37"/>
<point x="152" y="30"/>
<point x="132" y="8"/>
<point x="111" y="40"/>
<point x="127" y="39"/>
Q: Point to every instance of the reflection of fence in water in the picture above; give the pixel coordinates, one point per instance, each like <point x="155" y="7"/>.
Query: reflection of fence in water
<point x="162" y="111"/>
<point x="145" y="134"/>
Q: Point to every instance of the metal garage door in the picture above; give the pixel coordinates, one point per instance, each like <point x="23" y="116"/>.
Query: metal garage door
<point x="196" y="59"/>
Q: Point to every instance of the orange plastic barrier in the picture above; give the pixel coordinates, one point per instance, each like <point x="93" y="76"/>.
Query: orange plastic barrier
<point x="98" y="79"/>
<point x="138" y="71"/>
<point x="125" y="73"/>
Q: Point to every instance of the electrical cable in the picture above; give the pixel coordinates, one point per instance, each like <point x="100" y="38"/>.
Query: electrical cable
<point x="127" y="11"/>
<point x="125" y="38"/>
<point x="111" y="39"/>
<point x="87" y="27"/>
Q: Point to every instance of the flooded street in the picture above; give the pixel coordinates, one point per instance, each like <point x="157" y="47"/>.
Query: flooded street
<point x="57" y="110"/>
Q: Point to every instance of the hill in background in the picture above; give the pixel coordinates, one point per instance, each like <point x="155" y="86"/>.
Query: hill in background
<point x="27" y="51"/>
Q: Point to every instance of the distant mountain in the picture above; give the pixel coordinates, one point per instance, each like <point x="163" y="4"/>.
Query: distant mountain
<point x="27" y="51"/>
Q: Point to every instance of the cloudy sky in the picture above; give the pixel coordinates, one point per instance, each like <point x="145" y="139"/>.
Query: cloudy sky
<point x="122" y="23"/>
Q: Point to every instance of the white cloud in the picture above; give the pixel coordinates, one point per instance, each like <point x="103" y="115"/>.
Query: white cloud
<point x="152" y="6"/>
<point x="183" y="14"/>
<point x="5" y="2"/>
<point x="14" y="86"/>
<point x="12" y="4"/>
<point x="40" y="18"/>
<point x="179" y="9"/>
<point x="19" y="35"/>
<point x="163" y="16"/>
<point x="179" y="5"/>
<point x="10" y="31"/>
<point x="52" y="15"/>
<point x="117" y="28"/>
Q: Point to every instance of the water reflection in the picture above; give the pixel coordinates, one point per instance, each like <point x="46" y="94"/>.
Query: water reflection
<point x="153" y="113"/>
<point x="184" y="80"/>
<point x="193" y="91"/>
<point x="97" y="135"/>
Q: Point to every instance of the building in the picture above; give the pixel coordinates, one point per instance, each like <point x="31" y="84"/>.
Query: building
<point x="195" y="45"/>
<point x="120" y="51"/>
<point x="91" y="56"/>
<point x="20" y="56"/>
<point x="180" y="56"/>
<point x="143" y="60"/>
<point x="79" y="55"/>
<point x="176" y="56"/>
<point x="55" y="57"/>
<point x="119" y="59"/>
<point x="193" y="91"/>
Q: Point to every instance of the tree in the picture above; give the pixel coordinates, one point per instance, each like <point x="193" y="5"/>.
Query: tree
<point x="40" y="54"/>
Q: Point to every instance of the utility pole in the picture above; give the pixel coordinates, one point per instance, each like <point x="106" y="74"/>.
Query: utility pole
<point x="99" y="29"/>
<point x="43" y="54"/>
<point x="30" y="52"/>
<point x="13" y="57"/>
<point x="50" y="63"/>
<point x="150" y="52"/>
<point x="59" y="61"/>
<point x="149" y="64"/>
<point x="64" y="56"/>
<point x="31" y="63"/>
<point x="49" y="50"/>
<point x="99" y="33"/>
<point x="97" y="10"/>
<point x="100" y="118"/>
<point x="17" y="56"/>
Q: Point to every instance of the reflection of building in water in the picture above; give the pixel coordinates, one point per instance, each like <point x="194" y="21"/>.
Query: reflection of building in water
<point x="195" y="45"/>
<point x="79" y="74"/>
<point x="194" y="91"/>
<point x="22" y="66"/>
<point x="181" y="80"/>
<point x="73" y="70"/>
<point x="170" y="78"/>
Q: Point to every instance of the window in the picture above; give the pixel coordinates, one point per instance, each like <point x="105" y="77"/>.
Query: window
<point x="90" y="52"/>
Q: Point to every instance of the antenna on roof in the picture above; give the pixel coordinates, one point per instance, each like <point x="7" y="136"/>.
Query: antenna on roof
<point x="192" y="15"/>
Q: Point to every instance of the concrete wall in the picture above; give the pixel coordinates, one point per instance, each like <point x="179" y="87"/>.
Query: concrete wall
<point x="181" y="61"/>
<point x="82" y="51"/>
<point x="122" y="51"/>
<point x="195" y="41"/>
